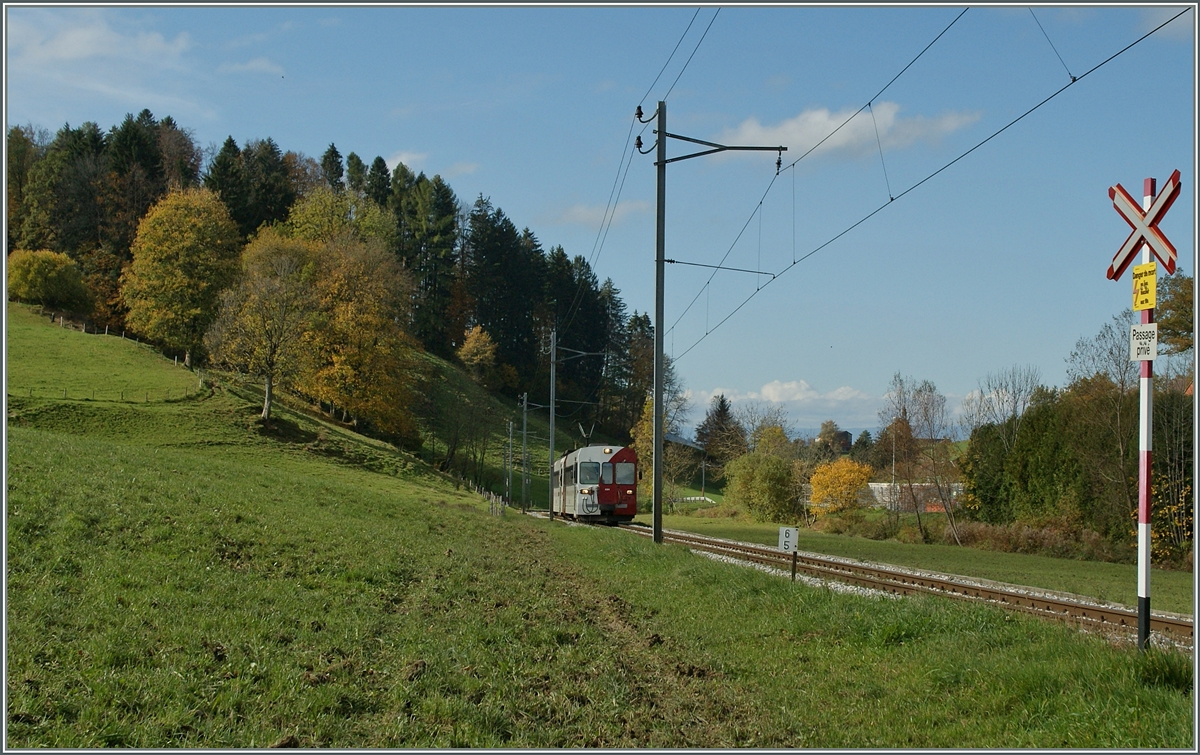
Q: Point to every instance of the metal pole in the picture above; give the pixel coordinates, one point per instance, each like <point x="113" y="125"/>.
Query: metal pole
<point x="553" y="358"/>
<point x="659" y="256"/>
<point x="509" y="464"/>
<point x="524" y="451"/>
<point x="895" y="507"/>
<point x="1145" y="447"/>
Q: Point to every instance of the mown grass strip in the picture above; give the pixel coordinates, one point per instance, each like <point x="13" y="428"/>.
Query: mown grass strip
<point x="1171" y="590"/>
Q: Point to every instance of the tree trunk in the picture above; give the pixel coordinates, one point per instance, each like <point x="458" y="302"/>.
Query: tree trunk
<point x="187" y="359"/>
<point x="268" y="394"/>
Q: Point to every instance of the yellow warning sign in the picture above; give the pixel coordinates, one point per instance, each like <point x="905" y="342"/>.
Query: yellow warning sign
<point x="1145" y="278"/>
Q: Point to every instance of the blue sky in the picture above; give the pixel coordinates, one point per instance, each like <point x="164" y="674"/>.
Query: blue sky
<point x="999" y="260"/>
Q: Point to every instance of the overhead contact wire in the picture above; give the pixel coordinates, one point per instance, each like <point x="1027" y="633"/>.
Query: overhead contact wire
<point x="1001" y="130"/>
<point x="806" y="154"/>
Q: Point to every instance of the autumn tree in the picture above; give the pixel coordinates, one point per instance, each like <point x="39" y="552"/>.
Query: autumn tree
<point x="836" y="485"/>
<point x="46" y="278"/>
<point x="478" y="353"/>
<point x="360" y="359"/>
<point x="1176" y="329"/>
<point x="325" y="215"/>
<point x="265" y="315"/>
<point x="185" y="253"/>
<point x="897" y="441"/>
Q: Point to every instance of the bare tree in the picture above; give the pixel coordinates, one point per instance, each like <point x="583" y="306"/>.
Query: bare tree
<point x="1002" y="400"/>
<point x="896" y="420"/>
<point x="756" y="416"/>
<point x="1102" y="374"/>
<point x="931" y="426"/>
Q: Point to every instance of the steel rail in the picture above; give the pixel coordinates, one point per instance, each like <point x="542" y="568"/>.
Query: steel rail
<point x="905" y="583"/>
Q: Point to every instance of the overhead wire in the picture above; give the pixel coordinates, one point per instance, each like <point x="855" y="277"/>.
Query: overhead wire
<point x="929" y="177"/>
<point x="1052" y="47"/>
<point x="614" y="195"/>
<point x="614" y="200"/>
<point x="798" y="159"/>
<point x="694" y="49"/>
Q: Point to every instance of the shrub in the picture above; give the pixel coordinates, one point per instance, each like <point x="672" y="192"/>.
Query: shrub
<point x="50" y="279"/>
<point x="762" y="484"/>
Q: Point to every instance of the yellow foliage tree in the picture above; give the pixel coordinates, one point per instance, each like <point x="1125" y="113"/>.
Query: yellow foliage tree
<point x="51" y="279"/>
<point x="185" y="254"/>
<point x="359" y="357"/>
<point x="835" y="486"/>
<point x="478" y="352"/>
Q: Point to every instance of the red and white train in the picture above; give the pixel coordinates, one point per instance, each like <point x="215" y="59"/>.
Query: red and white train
<point x="596" y="484"/>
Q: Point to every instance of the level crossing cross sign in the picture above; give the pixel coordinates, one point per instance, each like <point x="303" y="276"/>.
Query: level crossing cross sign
<point x="1145" y="226"/>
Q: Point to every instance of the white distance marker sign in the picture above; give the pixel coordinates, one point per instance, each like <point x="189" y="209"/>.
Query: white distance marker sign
<point x="1143" y="342"/>
<point x="787" y="538"/>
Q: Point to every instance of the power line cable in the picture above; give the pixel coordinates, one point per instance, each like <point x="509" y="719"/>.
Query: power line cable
<point x="1001" y="130"/>
<point x="881" y="91"/>
<point x="797" y="160"/>
<point x="880" y="143"/>
<point x="672" y="55"/>
<point x="1052" y="47"/>
<point x="614" y="195"/>
<point x="689" y="60"/>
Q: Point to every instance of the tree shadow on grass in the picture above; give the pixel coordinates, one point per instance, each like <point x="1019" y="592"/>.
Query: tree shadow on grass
<point x="285" y="430"/>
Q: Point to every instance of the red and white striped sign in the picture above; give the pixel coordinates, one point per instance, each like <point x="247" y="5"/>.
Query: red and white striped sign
<point x="1145" y="225"/>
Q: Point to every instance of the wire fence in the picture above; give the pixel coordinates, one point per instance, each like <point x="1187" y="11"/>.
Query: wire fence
<point x="125" y="395"/>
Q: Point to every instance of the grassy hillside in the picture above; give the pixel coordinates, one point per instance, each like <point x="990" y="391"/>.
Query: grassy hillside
<point x="179" y="577"/>
<point x="45" y="360"/>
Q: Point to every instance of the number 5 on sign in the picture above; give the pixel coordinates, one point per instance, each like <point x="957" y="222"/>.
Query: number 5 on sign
<point x="787" y="538"/>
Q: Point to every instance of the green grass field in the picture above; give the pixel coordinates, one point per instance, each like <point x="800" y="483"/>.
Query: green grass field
<point x="179" y="577"/>
<point x="44" y="360"/>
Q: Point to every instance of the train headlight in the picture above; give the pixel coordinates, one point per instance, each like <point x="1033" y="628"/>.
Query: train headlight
<point x="585" y="491"/>
<point x="628" y="492"/>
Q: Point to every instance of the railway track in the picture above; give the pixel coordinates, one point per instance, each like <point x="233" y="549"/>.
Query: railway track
<point x="895" y="581"/>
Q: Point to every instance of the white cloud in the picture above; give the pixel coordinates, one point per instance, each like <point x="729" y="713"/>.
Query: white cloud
<point x="593" y="215"/>
<point x="806" y="406"/>
<point x="801" y="132"/>
<point x="89" y="38"/>
<point x="256" y="65"/>
<point x="410" y="159"/>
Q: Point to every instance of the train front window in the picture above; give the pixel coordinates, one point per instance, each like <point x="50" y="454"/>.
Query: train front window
<point x="589" y="472"/>
<point x="606" y="473"/>
<point x="626" y="474"/>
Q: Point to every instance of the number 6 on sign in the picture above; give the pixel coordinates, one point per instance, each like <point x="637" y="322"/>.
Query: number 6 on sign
<point x="787" y="538"/>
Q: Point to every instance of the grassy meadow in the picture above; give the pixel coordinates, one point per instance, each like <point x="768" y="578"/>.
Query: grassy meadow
<point x="179" y="577"/>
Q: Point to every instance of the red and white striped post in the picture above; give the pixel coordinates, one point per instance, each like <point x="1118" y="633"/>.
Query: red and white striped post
<point x="1147" y="237"/>
<point x="1145" y="451"/>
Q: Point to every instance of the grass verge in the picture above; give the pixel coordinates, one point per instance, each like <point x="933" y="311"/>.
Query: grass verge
<point x="1170" y="590"/>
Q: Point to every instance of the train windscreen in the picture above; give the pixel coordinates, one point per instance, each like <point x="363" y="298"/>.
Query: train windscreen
<point x="626" y="473"/>
<point x="589" y="472"/>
